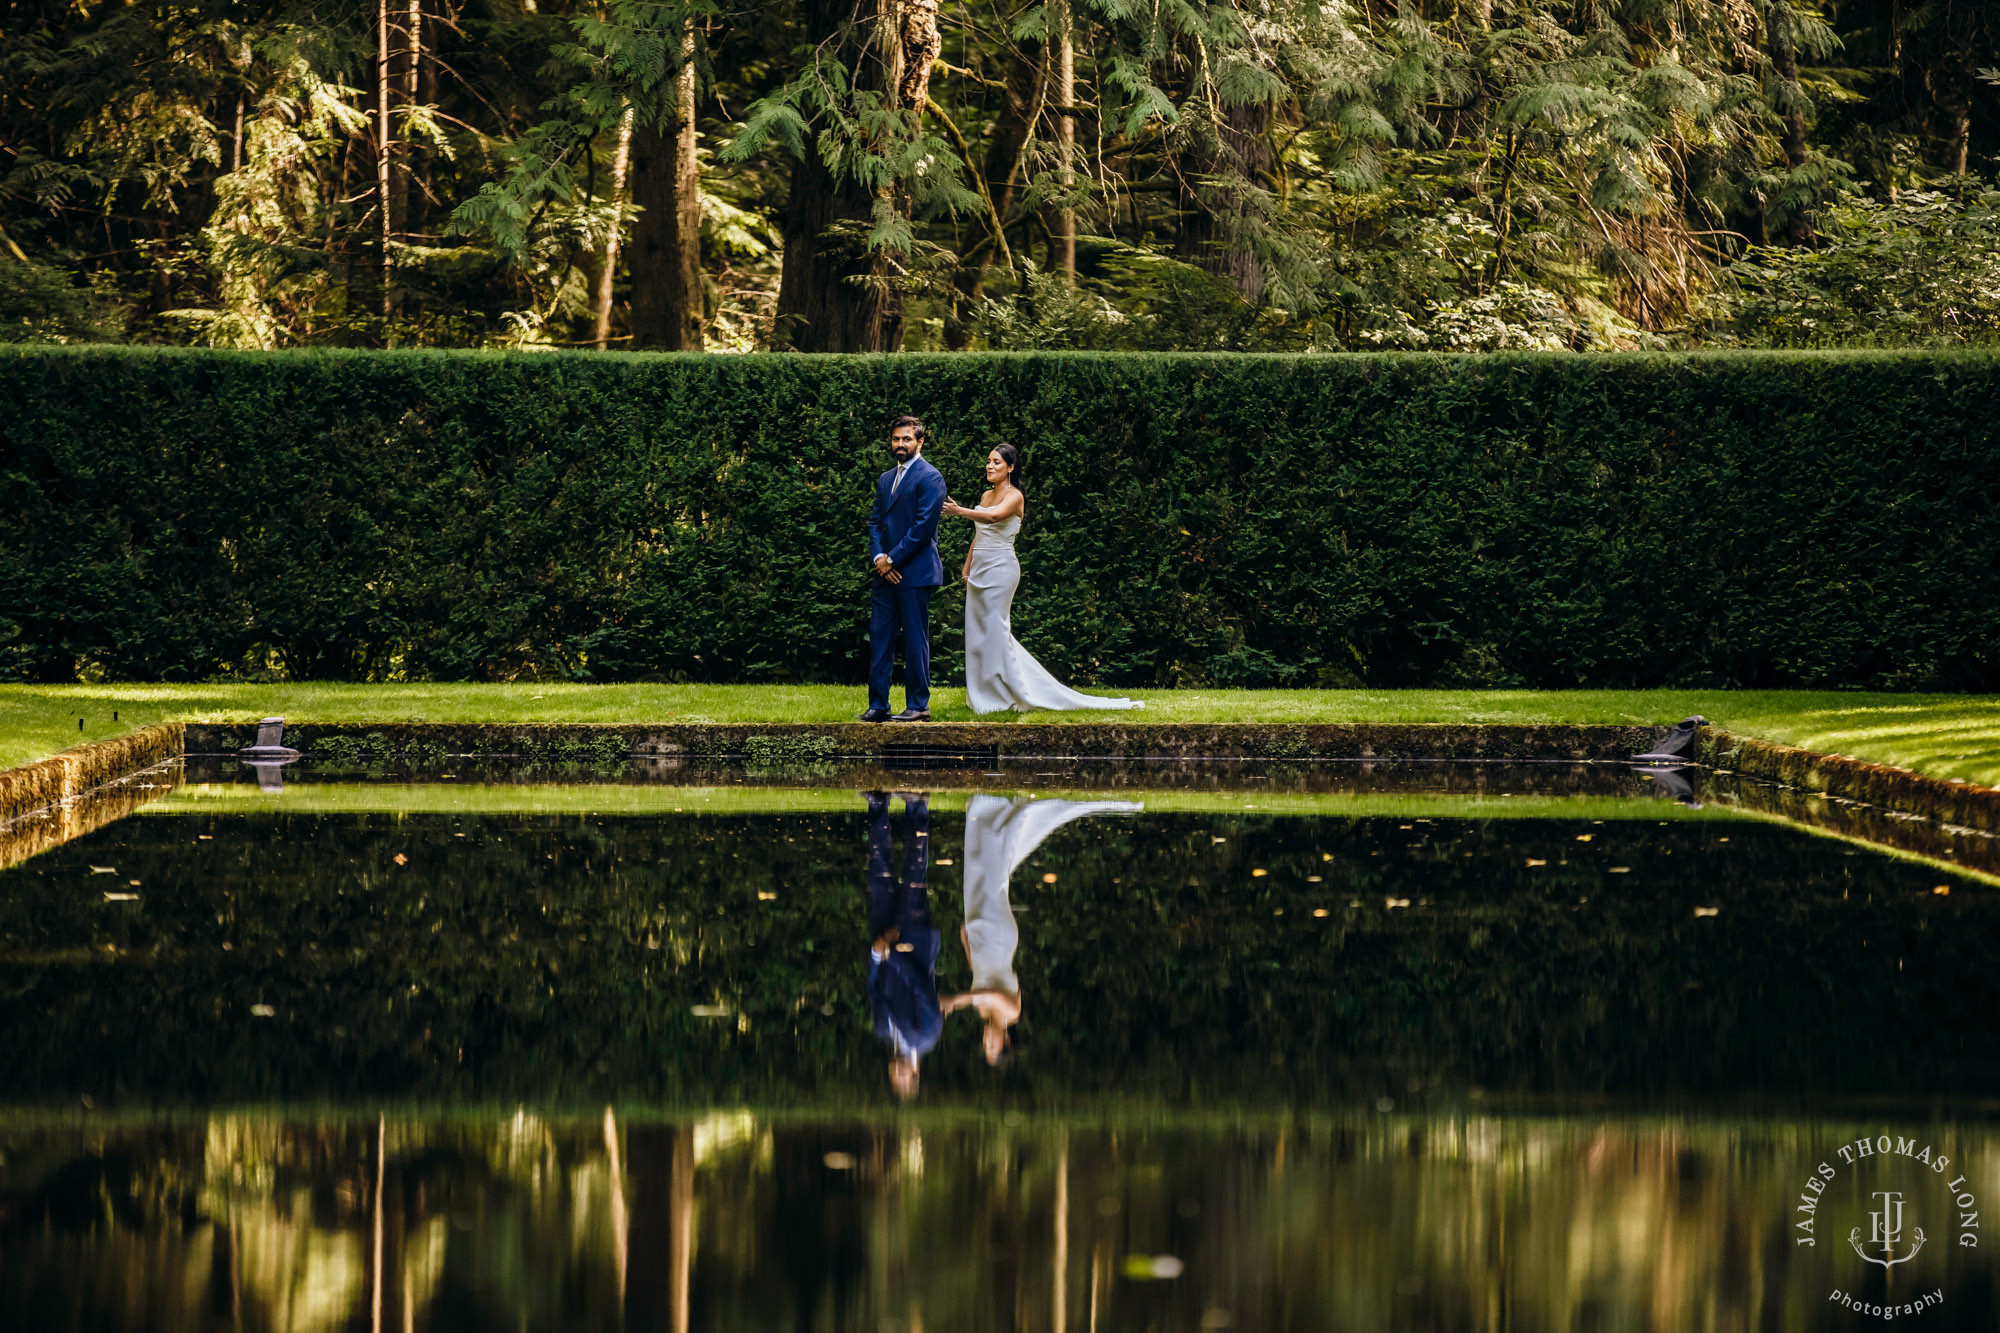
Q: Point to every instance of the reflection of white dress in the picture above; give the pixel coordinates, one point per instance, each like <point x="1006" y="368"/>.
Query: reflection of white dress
<point x="1000" y="673"/>
<point x="999" y="835"/>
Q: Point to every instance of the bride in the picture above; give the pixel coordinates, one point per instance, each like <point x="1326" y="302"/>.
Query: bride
<point x="1000" y="673"/>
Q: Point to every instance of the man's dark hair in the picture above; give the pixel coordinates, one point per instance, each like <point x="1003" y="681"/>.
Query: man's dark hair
<point x="907" y="420"/>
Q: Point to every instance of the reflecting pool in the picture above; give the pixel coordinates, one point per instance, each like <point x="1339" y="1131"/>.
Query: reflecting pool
<point x="1073" y="1049"/>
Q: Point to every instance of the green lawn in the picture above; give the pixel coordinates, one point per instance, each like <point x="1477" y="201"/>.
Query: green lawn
<point x="1949" y="736"/>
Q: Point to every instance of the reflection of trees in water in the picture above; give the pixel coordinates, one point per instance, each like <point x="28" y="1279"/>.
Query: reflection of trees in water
<point x="728" y="1222"/>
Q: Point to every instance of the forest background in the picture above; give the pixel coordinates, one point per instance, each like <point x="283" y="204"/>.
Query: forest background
<point x="875" y="175"/>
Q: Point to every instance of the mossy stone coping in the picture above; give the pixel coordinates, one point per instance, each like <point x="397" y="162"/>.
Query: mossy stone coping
<point x="66" y="776"/>
<point x="1837" y="777"/>
<point x="1119" y="740"/>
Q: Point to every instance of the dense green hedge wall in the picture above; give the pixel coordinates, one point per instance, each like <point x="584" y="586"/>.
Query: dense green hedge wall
<point x="1753" y="519"/>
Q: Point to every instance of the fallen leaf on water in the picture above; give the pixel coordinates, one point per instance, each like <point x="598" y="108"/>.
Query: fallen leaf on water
<point x="763" y="897"/>
<point x="121" y="897"/>
<point x="1586" y="837"/>
<point x="838" y="1161"/>
<point x="1049" y="878"/>
<point x="1533" y="862"/>
<point x="1147" y="1266"/>
<point x="133" y="882"/>
<point x="710" y="1011"/>
<point x="104" y="870"/>
<point x="1315" y="879"/>
<point x="1259" y="874"/>
<point x="1942" y="888"/>
<point x="263" y="1011"/>
<point x="401" y="859"/>
<point x="204" y="837"/>
<point x="1395" y="902"/>
<point x="1319" y="911"/>
<point x="1706" y="911"/>
<point x="1619" y="870"/>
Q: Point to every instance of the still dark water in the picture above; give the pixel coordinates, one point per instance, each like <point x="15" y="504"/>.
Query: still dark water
<point x="795" y="1059"/>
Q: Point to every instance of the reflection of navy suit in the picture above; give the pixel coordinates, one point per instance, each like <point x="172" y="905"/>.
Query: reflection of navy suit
<point x="902" y="984"/>
<point x="904" y="527"/>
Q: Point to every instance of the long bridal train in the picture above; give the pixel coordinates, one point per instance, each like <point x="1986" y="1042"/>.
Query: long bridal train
<point x="999" y="835"/>
<point x="999" y="672"/>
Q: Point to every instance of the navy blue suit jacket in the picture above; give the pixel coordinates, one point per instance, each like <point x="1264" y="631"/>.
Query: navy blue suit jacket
<point x="904" y="527"/>
<point x="903" y="992"/>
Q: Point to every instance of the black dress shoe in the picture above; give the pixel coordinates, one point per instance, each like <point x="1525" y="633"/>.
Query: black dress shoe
<point x="913" y="715"/>
<point x="873" y="715"/>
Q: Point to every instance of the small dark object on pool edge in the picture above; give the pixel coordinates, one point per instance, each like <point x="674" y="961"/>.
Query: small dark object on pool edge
<point x="1674" y="746"/>
<point x="268" y="757"/>
<point x="270" y="742"/>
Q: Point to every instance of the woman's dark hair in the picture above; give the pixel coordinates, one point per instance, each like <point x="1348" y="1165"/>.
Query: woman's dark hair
<point x="906" y="420"/>
<point x="1012" y="458"/>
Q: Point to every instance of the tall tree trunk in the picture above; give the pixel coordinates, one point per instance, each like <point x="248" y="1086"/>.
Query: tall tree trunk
<point x="1010" y="134"/>
<point x="1212" y="222"/>
<point x="407" y="191"/>
<point x="382" y="147"/>
<point x="621" y="159"/>
<point x="835" y="295"/>
<point x="1064" y="94"/>
<point x="666" y="239"/>
<point x="1785" y="62"/>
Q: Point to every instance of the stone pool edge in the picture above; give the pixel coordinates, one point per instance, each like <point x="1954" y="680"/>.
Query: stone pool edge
<point x="62" y="778"/>
<point x="1063" y="740"/>
<point x="1904" y="792"/>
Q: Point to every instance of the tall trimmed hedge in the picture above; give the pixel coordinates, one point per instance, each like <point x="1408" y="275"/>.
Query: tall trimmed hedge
<point x="1755" y="519"/>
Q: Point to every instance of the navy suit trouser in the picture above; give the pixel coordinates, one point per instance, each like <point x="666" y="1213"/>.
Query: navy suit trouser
<point x="899" y="607"/>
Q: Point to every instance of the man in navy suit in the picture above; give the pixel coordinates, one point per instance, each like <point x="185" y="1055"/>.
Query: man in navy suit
<point x="902" y="549"/>
<point x="904" y="941"/>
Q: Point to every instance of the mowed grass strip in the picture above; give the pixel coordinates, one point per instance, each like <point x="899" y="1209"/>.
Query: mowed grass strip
<point x="1944" y="735"/>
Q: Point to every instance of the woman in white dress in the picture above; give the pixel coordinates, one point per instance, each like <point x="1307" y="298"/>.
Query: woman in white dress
<point x="999" y="835"/>
<point x="1000" y="673"/>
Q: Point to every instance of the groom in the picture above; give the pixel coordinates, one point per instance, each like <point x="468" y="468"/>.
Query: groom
<point x="902" y="549"/>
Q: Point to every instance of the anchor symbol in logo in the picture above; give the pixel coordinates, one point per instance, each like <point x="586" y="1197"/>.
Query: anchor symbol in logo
<point x="1887" y="1230"/>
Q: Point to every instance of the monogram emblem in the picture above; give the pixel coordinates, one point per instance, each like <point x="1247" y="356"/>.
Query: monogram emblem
<point x="1885" y="1230"/>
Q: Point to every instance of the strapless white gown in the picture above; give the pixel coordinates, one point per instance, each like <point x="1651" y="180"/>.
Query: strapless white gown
<point x="1000" y="673"/>
<point x="999" y="835"/>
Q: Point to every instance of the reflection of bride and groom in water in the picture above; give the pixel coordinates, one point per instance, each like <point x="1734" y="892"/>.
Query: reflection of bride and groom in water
<point x="904" y="942"/>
